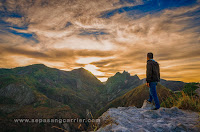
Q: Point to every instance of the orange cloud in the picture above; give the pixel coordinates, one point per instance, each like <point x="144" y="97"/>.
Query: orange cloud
<point x="121" y="42"/>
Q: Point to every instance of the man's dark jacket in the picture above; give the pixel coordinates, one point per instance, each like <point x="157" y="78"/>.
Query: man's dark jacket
<point x="153" y="71"/>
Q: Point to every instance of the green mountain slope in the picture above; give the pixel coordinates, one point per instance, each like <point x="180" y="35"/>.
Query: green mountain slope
<point x="136" y="97"/>
<point x="119" y="84"/>
<point x="19" y="101"/>
<point x="50" y="92"/>
<point x="78" y="88"/>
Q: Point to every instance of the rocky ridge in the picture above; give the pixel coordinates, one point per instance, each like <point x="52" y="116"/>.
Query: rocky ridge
<point x="132" y="119"/>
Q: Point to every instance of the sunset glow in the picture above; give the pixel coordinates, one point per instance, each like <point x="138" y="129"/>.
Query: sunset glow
<point x="103" y="36"/>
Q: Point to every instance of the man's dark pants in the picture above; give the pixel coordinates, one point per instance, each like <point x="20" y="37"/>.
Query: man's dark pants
<point x="153" y="94"/>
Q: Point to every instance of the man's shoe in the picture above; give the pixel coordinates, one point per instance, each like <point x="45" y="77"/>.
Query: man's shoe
<point x="155" y="109"/>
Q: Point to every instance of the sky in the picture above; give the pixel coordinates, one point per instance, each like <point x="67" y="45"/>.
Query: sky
<point x="103" y="36"/>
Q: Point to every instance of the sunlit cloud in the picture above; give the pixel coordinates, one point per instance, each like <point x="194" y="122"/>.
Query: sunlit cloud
<point x="88" y="60"/>
<point x="102" y="36"/>
<point x="93" y="69"/>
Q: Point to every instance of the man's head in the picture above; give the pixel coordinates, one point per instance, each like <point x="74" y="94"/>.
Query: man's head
<point x="149" y="56"/>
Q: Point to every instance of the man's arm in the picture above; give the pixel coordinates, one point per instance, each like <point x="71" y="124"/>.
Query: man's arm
<point x="148" y="72"/>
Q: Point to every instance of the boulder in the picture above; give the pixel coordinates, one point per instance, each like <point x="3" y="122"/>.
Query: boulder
<point x="133" y="119"/>
<point x="148" y="106"/>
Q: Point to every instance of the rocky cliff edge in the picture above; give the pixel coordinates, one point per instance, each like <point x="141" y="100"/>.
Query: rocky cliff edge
<point x="132" y="119"/>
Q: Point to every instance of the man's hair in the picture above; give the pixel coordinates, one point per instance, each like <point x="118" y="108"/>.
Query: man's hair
<point x="150" y="55"/>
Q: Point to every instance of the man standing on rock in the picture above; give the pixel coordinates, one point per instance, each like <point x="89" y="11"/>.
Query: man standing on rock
<point x="152" y="78"/>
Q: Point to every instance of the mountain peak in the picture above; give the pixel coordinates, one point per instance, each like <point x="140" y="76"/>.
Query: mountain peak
<point x="81" y="69"/>
<point x="126" y="73"/>
<point x="38" y="65"/>
<point x="86" y="75"/>
<point x="123" y="73"/>
<point x="30" y="68"/>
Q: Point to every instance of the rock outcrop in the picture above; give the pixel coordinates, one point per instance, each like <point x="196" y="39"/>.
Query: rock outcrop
<point x="148" y="106"/>
<point x="132" y="119"/>
<point x="19" y="93"/>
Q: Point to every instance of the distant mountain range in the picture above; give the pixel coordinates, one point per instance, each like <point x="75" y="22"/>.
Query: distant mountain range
<point x="38" y="87"/>
<point x="173" y="85"/>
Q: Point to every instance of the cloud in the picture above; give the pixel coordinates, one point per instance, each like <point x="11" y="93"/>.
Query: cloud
<point x="166" y="34"/>
<point x="119" y="32"/>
